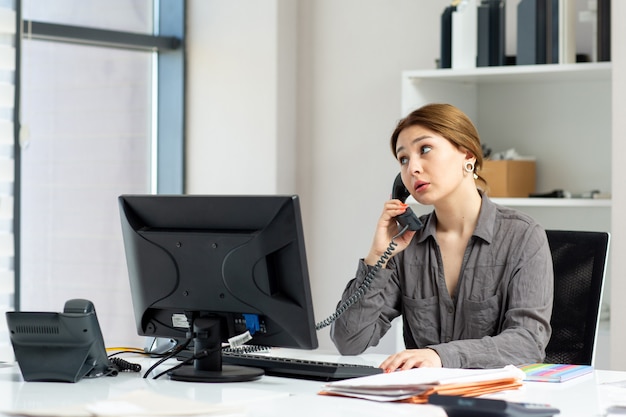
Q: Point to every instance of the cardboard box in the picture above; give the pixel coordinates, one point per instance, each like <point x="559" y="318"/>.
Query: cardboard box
<point x="509" y="178"/>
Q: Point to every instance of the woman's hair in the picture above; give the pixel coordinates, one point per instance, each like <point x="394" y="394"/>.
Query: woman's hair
<point x="447" y="121"/>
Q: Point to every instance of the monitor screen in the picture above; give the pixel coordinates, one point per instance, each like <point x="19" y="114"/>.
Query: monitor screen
<point x="214" y="267"/>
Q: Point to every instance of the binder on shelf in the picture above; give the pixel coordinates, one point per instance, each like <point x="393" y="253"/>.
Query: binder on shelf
<point x="604" y="30"/>
<point x="531" y="32"/>
<point x="552" y="31"/>
<point x="464" y="36"/>
<point x="567" y="32"/>
<point x="445" y="60"/>
<point x="491" y="33"/>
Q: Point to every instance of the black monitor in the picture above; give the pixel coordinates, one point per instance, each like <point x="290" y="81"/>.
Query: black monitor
<point x="213" y="267"/>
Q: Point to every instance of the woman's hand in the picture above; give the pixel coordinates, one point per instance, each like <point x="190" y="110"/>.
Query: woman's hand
<point x="412" y="358"/>
<point x="386" y="229"/>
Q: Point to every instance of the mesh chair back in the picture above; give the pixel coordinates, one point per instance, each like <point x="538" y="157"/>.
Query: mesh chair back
<point x="579" y="260"/>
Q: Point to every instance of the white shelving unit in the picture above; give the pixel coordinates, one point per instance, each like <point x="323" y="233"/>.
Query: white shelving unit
<point x="559" y="114"/>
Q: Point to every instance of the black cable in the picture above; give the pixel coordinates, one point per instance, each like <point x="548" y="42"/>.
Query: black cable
<point x="121" y="365"/>
<point x="173" y="353"/>
<point x="199" y="355"/>
<point x="367" y="281"/>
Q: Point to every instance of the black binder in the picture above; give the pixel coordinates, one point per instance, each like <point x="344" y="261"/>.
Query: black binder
<point x="491" y="33"/>
<point x="552" y="31"/>
<point x="604" y="30"/>
<point x="445" y="61"/>
<point x="531" y="32"/>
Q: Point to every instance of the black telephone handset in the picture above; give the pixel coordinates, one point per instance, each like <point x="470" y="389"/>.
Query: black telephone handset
<point x="408" y="221"/>
<point x="408" y="218"/>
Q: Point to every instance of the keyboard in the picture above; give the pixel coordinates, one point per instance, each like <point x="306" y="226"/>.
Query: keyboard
<point x="299" y="368"/>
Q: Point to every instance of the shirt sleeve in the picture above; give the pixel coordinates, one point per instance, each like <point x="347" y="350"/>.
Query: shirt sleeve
<point x="365" y="322"/>
<point x="526" y="329"/>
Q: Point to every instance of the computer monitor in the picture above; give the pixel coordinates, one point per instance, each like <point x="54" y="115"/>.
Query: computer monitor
<point x="211" y="267"/>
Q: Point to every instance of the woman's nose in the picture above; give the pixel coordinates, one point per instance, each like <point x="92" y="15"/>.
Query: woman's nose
<point x="415" y="165"/>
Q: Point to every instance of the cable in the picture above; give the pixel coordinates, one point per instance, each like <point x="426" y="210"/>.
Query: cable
<point x="121" y="365"/>
<point x="367" y="281"/>
<point x="173" y="353"/>
<point x="199" y="355"/>
<point x="123" y="349"/>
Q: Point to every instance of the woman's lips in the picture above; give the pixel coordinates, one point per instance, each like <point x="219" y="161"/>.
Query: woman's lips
<point x="420" y="186"/>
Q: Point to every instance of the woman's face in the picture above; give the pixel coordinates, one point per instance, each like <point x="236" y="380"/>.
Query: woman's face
<point x="432" y="167"/>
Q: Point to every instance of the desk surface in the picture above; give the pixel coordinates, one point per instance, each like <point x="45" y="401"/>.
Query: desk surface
<point x="272" y="396"/>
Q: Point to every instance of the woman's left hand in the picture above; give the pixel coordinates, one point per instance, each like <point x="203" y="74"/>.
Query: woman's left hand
<point x="412" y="358"/>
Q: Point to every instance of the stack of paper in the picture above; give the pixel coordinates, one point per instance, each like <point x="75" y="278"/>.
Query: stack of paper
<point x="415" y="385"/>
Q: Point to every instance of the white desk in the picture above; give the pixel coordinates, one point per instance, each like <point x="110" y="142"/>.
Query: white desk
<point x="275" y="397"/>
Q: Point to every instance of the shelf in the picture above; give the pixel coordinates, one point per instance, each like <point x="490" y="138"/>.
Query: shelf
<point x="540" y="202"/>
<point x="517" y="73"/>
<point x="553" y="202"/>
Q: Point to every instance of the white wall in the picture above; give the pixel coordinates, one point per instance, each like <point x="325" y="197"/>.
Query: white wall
<point x="233" y="97"/>
<point x="618" y="220"/>
<point x="350" y="54"/>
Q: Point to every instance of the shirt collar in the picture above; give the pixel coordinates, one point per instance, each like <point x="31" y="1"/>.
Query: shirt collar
<point x="484" y="226"/>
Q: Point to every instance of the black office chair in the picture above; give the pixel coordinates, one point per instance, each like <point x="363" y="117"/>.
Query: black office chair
<point x="579" y="260"/>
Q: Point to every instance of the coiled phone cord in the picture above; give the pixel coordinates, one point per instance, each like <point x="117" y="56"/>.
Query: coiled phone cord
<point x="367" y="281"/>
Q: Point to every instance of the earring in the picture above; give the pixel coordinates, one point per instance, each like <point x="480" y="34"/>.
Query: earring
<point x="469" y="167"/>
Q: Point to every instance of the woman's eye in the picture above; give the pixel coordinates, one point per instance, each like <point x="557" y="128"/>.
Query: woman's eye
<point x="403" y="160"/>
<point x="426" y="149"/>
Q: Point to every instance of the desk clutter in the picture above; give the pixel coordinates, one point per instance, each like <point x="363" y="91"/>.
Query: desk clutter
<point x="417" y="384"/>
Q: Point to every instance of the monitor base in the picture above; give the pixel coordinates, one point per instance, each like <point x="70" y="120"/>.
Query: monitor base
<point x="229" y="373"/>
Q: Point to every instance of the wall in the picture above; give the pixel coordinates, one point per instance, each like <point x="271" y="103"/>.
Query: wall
<point x="618" y="221"/>
<point x="349" y="57"/>
<point x="234" y="94"/>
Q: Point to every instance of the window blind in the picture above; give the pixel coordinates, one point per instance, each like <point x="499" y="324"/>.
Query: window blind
<point x="7" y="169"/>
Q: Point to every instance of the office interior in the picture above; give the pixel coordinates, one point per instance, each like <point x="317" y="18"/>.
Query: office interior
<point x="287" y="96"/>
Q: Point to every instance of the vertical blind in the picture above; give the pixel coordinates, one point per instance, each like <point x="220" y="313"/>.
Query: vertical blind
<point x="8" y="41"/>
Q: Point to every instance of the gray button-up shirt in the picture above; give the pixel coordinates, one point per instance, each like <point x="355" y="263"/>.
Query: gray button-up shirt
<point x="503" y="304"/>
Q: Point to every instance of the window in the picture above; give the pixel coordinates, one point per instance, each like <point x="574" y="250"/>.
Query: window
<point x="8" y="55"/>
<point x="90" y="100"/>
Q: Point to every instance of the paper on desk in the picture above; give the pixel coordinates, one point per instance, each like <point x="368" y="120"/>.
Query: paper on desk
<point x="136" y="403"/>
<point x="413" y="383"/>
<point x="613" y="398"/>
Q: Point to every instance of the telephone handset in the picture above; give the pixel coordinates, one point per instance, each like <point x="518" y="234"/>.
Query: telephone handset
<point x="408" y="221"/>
<point x="408" y="218"/>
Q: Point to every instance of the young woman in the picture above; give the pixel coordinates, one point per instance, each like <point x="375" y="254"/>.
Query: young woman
<point x="474" y="286"/>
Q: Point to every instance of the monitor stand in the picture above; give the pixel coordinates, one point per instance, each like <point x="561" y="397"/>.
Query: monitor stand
<point x="209" y="368"/>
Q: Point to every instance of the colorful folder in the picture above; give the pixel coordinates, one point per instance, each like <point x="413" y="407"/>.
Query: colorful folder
<point x="550" y="372"/>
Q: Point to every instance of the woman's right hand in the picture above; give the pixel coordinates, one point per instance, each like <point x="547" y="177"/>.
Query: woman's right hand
<point x="386" y="229"/>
